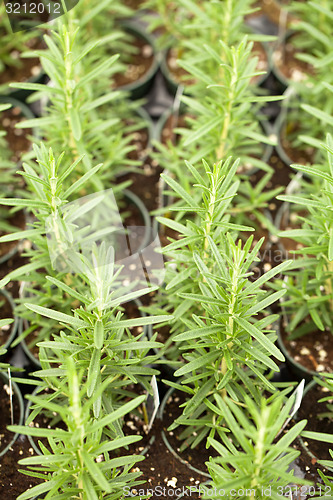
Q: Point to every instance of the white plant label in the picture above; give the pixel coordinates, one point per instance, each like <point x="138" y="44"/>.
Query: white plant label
<point x="298" y="393"/>
<point x="153" y="402"/>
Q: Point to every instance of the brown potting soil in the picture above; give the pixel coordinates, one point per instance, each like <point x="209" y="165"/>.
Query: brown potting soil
<point x="314" y="350"/>
<point x="27" y="68"/>
<point x="138" y="64"/>
<point x="310" y="410"/>
<point x="165" y="476"/>
<point x="13" y="482"/>
<point x="144" y="183"/>
<point x="5" y="312"/>
<point x="140" y="142"/>
<point x="196" y="457"/>
<point x="285" y="59"/>
<point x="17" y="139"/>
<point x="173" y="121"/>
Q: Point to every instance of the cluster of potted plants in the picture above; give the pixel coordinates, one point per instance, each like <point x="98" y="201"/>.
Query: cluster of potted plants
<point x="159" y="346"/>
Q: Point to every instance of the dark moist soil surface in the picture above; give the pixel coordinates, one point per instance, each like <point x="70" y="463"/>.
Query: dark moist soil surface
<point x="27" y="68"/>
<point x="5" y="414"/>
<point x="164" y="474"/>
<point x="17" y="220"/>
<point x="138" y="64"/>
<point x="5" y="312"/>
<point x="309" y="410"/>
<point x="17" y="139"/>
<point x="285" y="59"/>
<point x="13" y="482"/>
<point x="313" y="350"/>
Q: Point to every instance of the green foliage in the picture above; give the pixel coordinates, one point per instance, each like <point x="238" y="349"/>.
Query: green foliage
<point x="83" y="116"/>
<point x="311" y="113"/>
<point x="253" y="462"/>
<point x="82" y="462"/>
<point x="309" y="295"/>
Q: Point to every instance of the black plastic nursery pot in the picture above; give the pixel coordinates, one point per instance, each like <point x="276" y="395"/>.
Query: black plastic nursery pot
<point x="144" y="80"/>
<point x="7" y="333"/>
<point x="11" y="399"/>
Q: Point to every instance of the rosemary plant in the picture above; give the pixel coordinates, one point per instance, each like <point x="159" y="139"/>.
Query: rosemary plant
<point x="228" y="349"/>
<point x="211" y="296"/>
<point x="309" y="298"/>
<point x="82" y="114"/>
<point x="45" y="196"/>
<point x="81" y="462"/>
<point x="313" y="92"/>
<point x="98" y="337"/>
<point x="253" y="463"/>
<point x="222" y="118"/>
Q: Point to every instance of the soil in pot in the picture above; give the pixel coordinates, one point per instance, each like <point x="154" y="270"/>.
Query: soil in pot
<point x="314" y="351"/>
<point x="27" y="68"/>
<point x="288" y="65"/>
<point x="139" y="142"/>
<point x="310" y="410"/>
<point x="165" y="476"/>
<point x="195" y="457"/>
<point x="17" y="139"/>
<point x="145" y="183"/>
<point x="137" y="64"/>
<point x="13" y="482"/>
